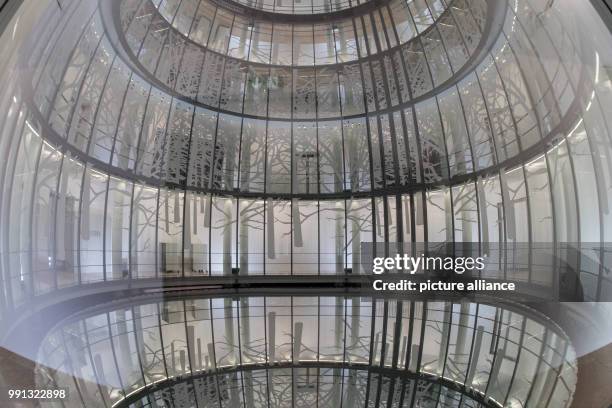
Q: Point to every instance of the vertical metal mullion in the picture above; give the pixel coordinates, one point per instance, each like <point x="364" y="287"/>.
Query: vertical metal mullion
<point x="293" y="368"/>
<point x="367" y="136"/>
<point x="518" y="359"/>
<point x="344" y="359"/>
<point x="383" y="350"/>
<point x="162" y="161"/>
<point x="30" y="251"/>
<point x="139" y="352"/>
<point x="267" y="357"/>
<point x="268" y="201"/>
<point x="157" y="207"/>
<point x="214" y="158"/>
<point x="538" y="365"/>
<point x="494" y="346"/>
<point x="176" y="13"/>
<point x="95" y="369"/>
<point x="318" y="164"/>
<point x="291" y="160"/>
<point x="186" y="198"/>
<point x="136" y="161"/>
<point x="53" y="244"/>
<point x="213" y="358"/>
<point x="370" y="357"/>
<point x="110" y="340"/>
<point x="344" y="176"/>
<point x="318" y="348"/>
<point x="130" y="226"/>
<point x="408" y="356"/>
<point x="240" y="352"/>
<point x="448" y="337"/>
<point x="396" y="348"/>
<point x="420" y="356"/>
<point x="71" y="365"/>
<point x="112" y="152"/>
<point x="365" y="104"/>
<point x="450" y="187"/>
<point x="471" y="359"/>
<point x="190" y="358"/>
<point x="398" y="207"/>
<point x="161" y="339"/>
<point x="246" y="79"/>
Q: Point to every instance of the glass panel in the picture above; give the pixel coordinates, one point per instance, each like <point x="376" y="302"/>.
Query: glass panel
<point x="91" y="247"/>
<point x="117" y="229"/>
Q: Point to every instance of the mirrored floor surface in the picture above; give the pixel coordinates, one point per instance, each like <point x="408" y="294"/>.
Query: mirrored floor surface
<point x="309" y="351"/>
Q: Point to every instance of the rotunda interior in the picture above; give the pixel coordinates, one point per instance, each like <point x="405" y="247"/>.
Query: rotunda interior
<point x="193" y="192"/>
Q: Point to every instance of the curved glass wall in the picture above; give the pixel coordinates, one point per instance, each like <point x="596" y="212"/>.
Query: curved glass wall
<point x="321" y="73"/>
<point x="109" y="178"/>
<point x="281" y="351"/>
<point x="279" y="42"/>
<point x="290" y="7"/>
<point x="111" y="174"/>
<point x="166" y="147"/>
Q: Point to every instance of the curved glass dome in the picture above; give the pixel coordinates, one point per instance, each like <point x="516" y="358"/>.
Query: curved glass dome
<point x="174" y="148"/>
<point x="309" y="351"/>
<point x="295" y="6"/>
<point x="301" y="42"/>
<point x="334" y="74"/>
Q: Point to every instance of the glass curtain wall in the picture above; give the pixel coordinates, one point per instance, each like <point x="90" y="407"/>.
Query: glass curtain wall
<point x="156" y="152"/>
<point x="264" y="351"/>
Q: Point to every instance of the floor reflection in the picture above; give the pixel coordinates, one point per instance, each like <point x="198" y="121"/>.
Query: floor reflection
<point x="308" y="351"/>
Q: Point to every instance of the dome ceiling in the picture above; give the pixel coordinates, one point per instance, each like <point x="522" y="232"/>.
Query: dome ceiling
<point x="157" y="152"/>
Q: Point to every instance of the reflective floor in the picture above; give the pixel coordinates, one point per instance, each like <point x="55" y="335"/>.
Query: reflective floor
<point x="309" y="351"/>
